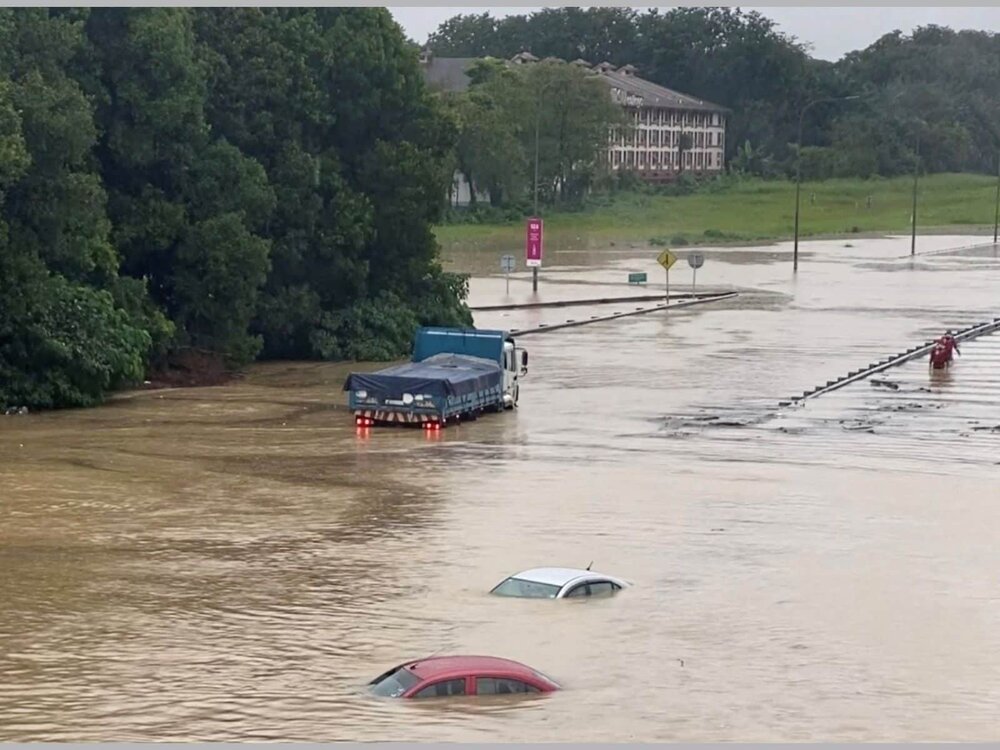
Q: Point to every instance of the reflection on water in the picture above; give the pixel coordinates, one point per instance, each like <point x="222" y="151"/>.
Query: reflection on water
<point x="236" y="563"/>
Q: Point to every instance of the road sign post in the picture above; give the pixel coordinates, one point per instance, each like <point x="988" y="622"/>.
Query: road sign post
<point x="696" y="261"/>
<point x="667" y="259"/>
<point x="533" y="249"/>
<point x="507" y="265"/>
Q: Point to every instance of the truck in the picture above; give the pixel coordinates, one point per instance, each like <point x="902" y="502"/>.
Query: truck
<point x="454" y="374"/>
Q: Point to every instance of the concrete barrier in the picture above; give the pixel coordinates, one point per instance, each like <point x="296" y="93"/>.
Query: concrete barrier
<point x="638" y="311"/>
<point x="596" y="301"/>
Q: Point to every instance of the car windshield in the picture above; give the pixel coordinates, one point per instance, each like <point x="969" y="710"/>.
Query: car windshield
<point x="393" y="684"/>
<point x="531" y="589"/>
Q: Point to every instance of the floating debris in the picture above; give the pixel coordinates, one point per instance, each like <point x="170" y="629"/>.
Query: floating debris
<point x="877" y="383"/>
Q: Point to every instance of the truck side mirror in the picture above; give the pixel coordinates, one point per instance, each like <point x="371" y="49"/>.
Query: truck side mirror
<point x="524" y="362"/>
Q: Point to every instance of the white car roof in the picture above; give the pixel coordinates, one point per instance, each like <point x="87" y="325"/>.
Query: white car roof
<point x="560" y="576"/>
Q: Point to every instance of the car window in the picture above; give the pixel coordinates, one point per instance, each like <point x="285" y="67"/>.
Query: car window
<point x="601" y="588"/>
<point x="443" y="689"/>
<point x="500" y="686"/>
<point x="394" y="683"/>
<point x="530" y="589"/>
<point x="578" y="590"/>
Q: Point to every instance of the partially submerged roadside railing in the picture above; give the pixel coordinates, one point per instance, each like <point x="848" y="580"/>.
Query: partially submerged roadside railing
<point x="548" y="327"/>
<point x="595" y="301"/>
<point x="920" y="350"/>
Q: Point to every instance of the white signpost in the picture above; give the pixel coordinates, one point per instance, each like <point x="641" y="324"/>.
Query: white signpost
<point x="696" y="261"/>
<point x="507" y="266"/>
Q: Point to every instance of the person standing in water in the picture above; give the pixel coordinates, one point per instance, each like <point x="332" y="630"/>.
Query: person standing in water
<point x="941" y="353"/>
<point x="950" y="344"/>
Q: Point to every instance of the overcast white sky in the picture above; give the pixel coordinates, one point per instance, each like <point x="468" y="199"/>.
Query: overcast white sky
<point x="830" y="31"/>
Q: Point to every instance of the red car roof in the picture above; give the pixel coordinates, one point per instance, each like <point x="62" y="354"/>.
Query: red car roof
<point x="441" y="666"/>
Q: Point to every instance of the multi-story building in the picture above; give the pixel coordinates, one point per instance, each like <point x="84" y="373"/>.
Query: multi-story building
<point x="667" y="133"/>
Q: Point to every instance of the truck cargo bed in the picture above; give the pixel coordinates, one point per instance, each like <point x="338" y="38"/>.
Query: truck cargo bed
<point x="436" y="388"/>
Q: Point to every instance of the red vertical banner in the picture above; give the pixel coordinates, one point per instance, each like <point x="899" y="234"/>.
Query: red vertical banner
<point x="533" y="242"/>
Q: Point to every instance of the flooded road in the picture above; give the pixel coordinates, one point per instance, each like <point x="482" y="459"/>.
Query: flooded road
<point x="234" y="563"/>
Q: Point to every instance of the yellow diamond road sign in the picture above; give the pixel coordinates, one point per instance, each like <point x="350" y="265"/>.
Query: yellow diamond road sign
<point x="666" y="259"/>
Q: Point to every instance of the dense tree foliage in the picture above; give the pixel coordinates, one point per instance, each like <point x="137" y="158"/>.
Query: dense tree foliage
<point x="235" y="182"/>
<point x="936" y="81"/>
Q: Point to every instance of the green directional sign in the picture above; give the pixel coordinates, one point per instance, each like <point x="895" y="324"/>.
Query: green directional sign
<point x="637" y="278"/>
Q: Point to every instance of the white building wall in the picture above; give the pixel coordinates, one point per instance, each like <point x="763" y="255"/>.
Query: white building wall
<point x="652" y="145"/>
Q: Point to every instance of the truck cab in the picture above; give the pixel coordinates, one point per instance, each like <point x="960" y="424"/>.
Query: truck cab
<point x="515" y="365"/>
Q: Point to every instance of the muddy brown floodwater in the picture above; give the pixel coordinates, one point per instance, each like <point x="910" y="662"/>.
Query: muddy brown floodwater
<point x="234" y="563"/>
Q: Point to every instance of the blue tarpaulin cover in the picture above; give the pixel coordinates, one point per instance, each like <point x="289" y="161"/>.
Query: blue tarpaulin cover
<point x="440" y="375"/>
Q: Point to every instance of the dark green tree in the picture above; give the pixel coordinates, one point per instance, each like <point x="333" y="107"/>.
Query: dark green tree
<point x="63" y="340"/>
<point x="172" y="185"/>
<point x="332" y="103"/>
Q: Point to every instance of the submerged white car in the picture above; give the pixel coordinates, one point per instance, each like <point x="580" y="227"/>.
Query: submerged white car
<point x="558" y="583"/>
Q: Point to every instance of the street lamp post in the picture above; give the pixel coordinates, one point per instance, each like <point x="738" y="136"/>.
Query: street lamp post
<point x="798" y="167"/>
<point x="913" y="215"/>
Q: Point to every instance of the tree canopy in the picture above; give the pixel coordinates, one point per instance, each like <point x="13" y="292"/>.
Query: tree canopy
<point x="234" y="182"/>
<point x="936" y="79"/>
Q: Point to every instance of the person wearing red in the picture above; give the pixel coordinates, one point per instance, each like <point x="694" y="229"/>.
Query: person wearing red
<point x="949" y="342"/>
<point x="941" y="354"/>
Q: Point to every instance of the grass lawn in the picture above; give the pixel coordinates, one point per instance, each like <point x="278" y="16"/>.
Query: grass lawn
<point x="756" y="210"/>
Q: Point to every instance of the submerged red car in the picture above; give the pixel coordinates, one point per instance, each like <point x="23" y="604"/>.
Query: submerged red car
<point x="444" y="676"/>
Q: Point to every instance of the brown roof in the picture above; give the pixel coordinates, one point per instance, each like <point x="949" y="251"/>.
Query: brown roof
<point x="451" y="74"/>
<point x="653" y="95"/>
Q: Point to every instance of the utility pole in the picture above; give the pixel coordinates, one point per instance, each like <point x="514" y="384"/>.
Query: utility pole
<point x="916" y="175"/>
